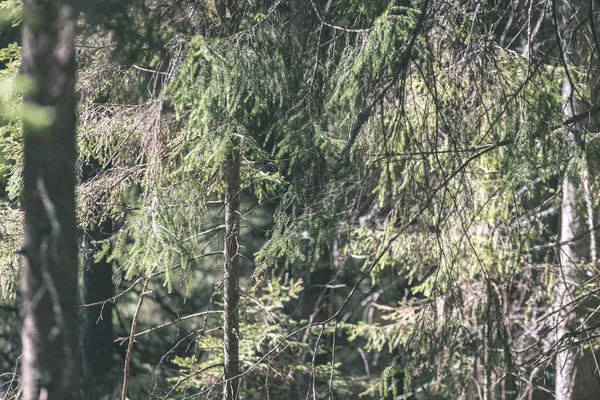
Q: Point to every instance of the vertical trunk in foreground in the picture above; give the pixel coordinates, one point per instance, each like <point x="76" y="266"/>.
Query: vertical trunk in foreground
<point x="51" y="366"/>
<point x="231" y="279"/>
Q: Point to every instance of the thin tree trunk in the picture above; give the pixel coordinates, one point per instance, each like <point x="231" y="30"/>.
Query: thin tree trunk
<point x="569" y="228"/>
<point x="576" y="375"/>
<point x="49" y="284"/>
<point x="488" y="347"/>
<point x="231" y="278"/>
<point x="565" y="358"/>
<point x="131" y="341"/>
<point x="97" y="320"/>
<point x="587" y="376"/>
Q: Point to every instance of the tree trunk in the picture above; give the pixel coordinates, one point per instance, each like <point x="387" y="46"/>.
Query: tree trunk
<point x="231" y="279"/>
<point x="97" y="320"/>
<point x="564" y="366"/>
<point x="565" y="358"/>
<point x="576" y="375"/>
<point x="49" y="283"/>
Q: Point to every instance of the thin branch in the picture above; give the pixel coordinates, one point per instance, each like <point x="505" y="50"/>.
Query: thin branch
<point x="270" y="12"/>
<point x="336" y="27"/>
<point x="122" y="339"/>
<point x="124" y="292"/>
<point x="312" y="377"/>
<point x="131" y="340"/>
<point x="195" y="373"/>
<point x="206" y="232"/>
<point x="149" y="70"/>
<point x="332" y="361"/>
<point x="154" y="274"/>
<point x="340" y="28"/>
<point x="409" y="154"/>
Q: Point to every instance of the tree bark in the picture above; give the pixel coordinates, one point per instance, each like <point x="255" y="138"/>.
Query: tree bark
<point x="576" y="374"/>
<point x="51" y="366"/>
<point x="231" y="279"/>
<point x="564" y="365"/>
<point x="575" y="368"/>
<point x="565" y="284"/>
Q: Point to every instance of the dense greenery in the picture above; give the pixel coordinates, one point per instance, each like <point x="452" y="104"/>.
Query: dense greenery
<point x="404" y="175"/>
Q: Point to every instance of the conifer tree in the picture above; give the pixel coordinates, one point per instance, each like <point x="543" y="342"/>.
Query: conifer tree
<point x="50" y="333"/>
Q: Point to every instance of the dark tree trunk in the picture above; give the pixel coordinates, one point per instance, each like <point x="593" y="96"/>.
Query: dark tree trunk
<point x="231" y="299"/>
<point x="97" y="320"/>
<point x="51" y="366"/>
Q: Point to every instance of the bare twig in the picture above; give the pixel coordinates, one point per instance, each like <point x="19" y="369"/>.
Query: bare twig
<point x="332" y="361"/>
<point x="195" y="373"/>
<point x="149" y="70"/>
<point x="123" y="339"/>
<point x="131" y="340"/>
<point x="206" y="232"/>
<point x="152" y="275"/>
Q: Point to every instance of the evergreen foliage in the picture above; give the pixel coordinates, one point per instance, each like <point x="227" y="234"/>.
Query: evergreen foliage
<point x="401" y="190"/>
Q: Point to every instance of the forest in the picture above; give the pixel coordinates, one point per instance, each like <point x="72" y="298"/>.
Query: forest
<point x="299" y="199"/>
